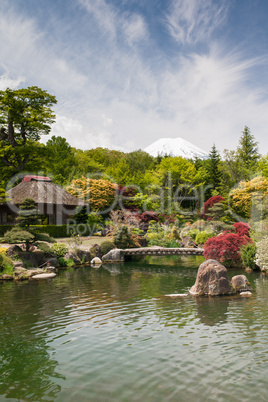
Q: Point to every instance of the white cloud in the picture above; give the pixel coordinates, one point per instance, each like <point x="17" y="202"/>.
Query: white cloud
<point x="26" y="53"/>
<point x="116" y="25"/>
<point x="8" y="82"/>
<point x="110" y="95"/>
<point x="134" y="29"/>
<point x="191" y="21"/>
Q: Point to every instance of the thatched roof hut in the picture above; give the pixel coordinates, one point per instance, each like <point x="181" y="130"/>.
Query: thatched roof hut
<point x="50" y="198"/>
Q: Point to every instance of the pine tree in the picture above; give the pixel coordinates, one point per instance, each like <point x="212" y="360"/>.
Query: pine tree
<point x="247" y="150"/>
<point x="213" y="170"/>
<point x="28" y="214"/>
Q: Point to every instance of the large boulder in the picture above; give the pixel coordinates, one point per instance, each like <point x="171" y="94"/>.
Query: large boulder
<point x="84" y="256"/>
<point x="13" y="250"/>
<point x="53" y="261"/>
<point x="212" y="280"/>
<point x="115" y="255"/>
<point x="72" y="256"/>
<point x="241" y="283"/>
<point x="95" y="250"/>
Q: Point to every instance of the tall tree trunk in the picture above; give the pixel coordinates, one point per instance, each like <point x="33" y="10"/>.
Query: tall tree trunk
<point x="11" y="137"/>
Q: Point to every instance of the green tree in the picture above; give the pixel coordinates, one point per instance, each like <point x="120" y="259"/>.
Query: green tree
<point x="28" y="214"/>
<point x="60" y="159"/>
<point x="25" y="115"/>
<point x="247" y="150"/>
<point x="213" y="168"/>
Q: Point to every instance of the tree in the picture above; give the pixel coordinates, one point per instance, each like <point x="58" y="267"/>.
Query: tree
<point x="100" y="194"/>
<point x="28" y="214"/>
<point x="213" y="169"/>
<point x="247" y="150"/>
<point x="248" y="199"/>
<point x="60" y="159"/>
<point x="25" y="115"/>
<point x="21" y="233"/>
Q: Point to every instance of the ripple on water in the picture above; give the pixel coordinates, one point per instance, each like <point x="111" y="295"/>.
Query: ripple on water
<point x="96" y="336"/>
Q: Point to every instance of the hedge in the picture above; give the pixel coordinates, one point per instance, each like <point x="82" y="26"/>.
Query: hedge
<point x="53" y="230"/>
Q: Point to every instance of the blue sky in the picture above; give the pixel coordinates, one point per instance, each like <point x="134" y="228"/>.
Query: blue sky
<point x="128" y="72"/>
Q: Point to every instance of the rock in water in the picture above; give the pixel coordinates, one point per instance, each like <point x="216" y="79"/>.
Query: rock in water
<point x="241" y="283"/>
<point x="212" y="280"/>
<point x="115" y="255"/>
<point x="96" y="261"/>
<point x="44" y="276"/>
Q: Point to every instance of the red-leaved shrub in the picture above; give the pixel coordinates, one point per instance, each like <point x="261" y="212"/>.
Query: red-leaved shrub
<point x="209" y="203"/>
<point x="225" y="248"/>
<point x="242" y="229"/>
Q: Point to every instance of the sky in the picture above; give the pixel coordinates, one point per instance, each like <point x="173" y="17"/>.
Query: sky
<point x="128" y="72"/>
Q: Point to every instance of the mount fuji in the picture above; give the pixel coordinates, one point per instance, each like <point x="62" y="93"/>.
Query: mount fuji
<point x="175" y="147"/>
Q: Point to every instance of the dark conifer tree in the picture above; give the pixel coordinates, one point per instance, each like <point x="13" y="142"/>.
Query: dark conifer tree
<point x="247" y="150"/>
<point x="213" y="169"/>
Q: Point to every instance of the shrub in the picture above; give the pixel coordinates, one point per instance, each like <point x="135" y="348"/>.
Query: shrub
<point x="62" y="262"/>
<point x="225" y="248"/>
<point x="248" y="255"/>
<point x="106" y="246"/>
<point x="242" y="229"/>
<point x="261" y="254"/>
<point x="52" y="230"/>
<point x="44" y="237"/>
<point x="3" y="250"/>
<point x="193" y="233"/>
<point x="59" y="249"/>
<point x="70" y="263"/>
<point x="124" y="239"/>
<point x="209" y="204"/>
<point x="6" y="264"/>
<point x="4" y="229"/>
<point x="17" y="235"/>
<point x="203" y="236"/>
<point x="44" y="247"/>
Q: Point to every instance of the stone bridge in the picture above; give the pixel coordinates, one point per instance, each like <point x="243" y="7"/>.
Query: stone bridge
<point x="159" y="251"/>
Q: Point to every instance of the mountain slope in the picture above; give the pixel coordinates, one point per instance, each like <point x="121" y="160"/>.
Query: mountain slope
<point x="175" y="147"/>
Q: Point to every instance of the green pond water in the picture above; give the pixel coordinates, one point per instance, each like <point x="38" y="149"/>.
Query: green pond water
<point x="110" y="334"/>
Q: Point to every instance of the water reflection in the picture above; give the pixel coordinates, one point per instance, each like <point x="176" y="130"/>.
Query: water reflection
<point x="27" y="364"/>
<point x="212" y="310"/>
<point x="113" y="325"/>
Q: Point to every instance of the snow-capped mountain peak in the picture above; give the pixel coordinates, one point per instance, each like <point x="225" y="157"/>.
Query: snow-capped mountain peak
<point x="175" y="147"/>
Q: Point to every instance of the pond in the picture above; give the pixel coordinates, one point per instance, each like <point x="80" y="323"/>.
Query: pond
<point x="110" y="334"/>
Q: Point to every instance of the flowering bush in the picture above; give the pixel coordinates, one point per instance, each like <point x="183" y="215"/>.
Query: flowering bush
<point x="225" y="248"/>
<point x="261" y="254"/>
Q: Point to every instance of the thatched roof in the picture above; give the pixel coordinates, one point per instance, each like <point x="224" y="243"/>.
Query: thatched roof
<point x="42" y="192"/>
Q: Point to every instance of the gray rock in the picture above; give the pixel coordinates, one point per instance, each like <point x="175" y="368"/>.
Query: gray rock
<point x="96" y="261"/>
<point x="84" y="256"/>
<point x="188" y="242"/>
<point x="18" y="264"/>
<point x="50" y="268"/>
<point x="245" y="294"/>
<point x="212" y="280"/>
<point x="14" y="249"/>
<point x="115" y="255"/>
<point x="241" y="283"/>
<point x="44" y="276"/>
<point x="53" y="262"/>
<point x="95" y="250"/>
<point x="19" y="270"/>
<point x="73" y="257"/>
<point x="6" y="277"/>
